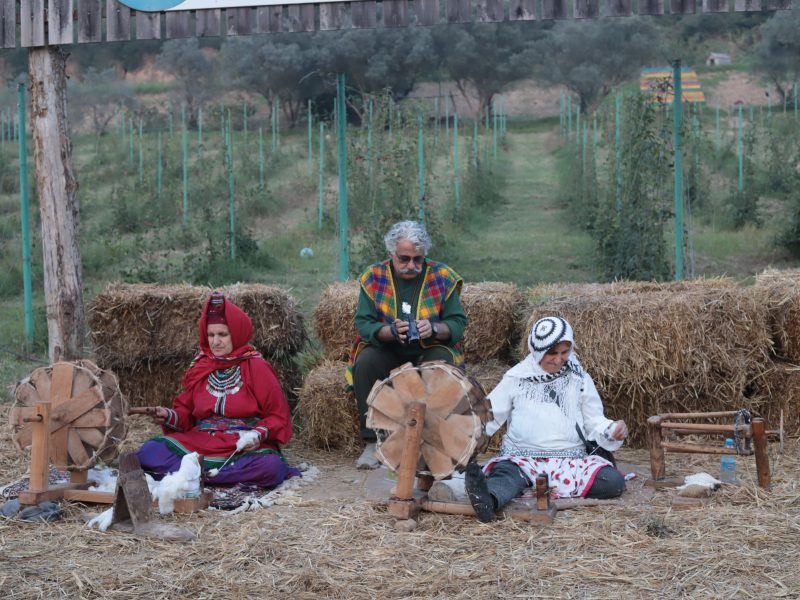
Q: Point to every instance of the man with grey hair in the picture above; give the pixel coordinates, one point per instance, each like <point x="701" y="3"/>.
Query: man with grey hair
<point x="409" y="310"/>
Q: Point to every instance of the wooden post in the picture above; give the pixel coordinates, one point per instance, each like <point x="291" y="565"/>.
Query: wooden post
<point x="58" y="201"/>
<point x="542" y="492"/>
<point x="402" y="505"/>
<point x="657" y="467"/>
<point x="762" y="458"/>
<point x="40" y="448"/>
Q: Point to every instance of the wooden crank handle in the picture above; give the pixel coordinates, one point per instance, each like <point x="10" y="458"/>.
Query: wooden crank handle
<point x="142" y="410"/>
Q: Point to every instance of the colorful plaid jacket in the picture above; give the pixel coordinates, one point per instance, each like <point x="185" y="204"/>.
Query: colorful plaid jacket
<point x="439" y="284"/>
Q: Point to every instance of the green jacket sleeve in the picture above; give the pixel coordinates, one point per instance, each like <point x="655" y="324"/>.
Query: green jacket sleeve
<point x="454" y="317"/>
<point x="367" y="322"/>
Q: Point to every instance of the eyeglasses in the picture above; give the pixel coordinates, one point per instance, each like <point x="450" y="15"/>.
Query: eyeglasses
<point x="403" y="259"/>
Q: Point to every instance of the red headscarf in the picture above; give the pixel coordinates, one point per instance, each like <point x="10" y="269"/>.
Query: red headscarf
<point x="241" y="328"/>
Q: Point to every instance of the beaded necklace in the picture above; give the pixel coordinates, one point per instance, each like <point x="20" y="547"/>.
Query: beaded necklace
<point x="222" y="383"/>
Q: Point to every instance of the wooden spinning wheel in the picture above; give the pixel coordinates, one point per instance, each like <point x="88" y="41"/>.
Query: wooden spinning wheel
<point x="71" y="414"/>
<point x="455" y="413"/>
<point x="87" y="413"/>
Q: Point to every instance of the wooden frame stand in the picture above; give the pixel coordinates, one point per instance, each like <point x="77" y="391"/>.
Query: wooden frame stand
<point x="663" y="429"/>
<point x="39" y="489"/>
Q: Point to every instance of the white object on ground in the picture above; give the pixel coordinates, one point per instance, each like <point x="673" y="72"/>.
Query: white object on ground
<point x="306" y="253"/>
<point x="703" y="479"/>
<point x="105" y="479"/>
<point x="103" y="520"/>
<point x="367" y="459"/>
<point x="185" y="480"/>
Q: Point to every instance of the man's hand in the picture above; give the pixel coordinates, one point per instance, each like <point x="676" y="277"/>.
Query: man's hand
<point x="425" y="328"/>
<point x="401" y="327"/>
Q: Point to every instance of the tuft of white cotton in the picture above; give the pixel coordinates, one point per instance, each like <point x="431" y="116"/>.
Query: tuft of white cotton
<point x="246" y="438"/>
<point x="103" y="520"/>
<point x="105" y="480"/>
<point x="176" y="485"/>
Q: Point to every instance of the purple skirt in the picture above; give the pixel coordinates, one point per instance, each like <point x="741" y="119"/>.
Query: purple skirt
<point x="264" y="470"/>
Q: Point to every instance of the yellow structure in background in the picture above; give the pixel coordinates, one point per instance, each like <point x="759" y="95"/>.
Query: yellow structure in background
<point x="658" y="82"/>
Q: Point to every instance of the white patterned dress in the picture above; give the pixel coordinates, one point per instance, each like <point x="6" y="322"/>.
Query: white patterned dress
<point x="542" y="410"/>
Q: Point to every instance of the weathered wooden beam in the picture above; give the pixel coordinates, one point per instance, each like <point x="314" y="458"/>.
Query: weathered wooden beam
<point x="585" y="9"/>
<point x="148" y="26"/>
<point x="90" y="21"/>
<point x="716" y="6"/>
<point x="269" y="19"/>
<point x="118" y="21"/>
<point x="331" y="16"/>
<point x="459" y="11"/>
<point x="207" y="23"/>
<point x="364" y="14"/>
<point x="240" y="21"/>
<point x="747" y="5"/>
<point x="395" y="13"/>
<point x="682" y="7"/>
<point x="428" y="12"/>
<point x="178" y="24"/>
<point x="8" y="24"/>
<point x="522" y="10"/>
<point x="554" y="9"/>
<point x="59" y="22"/>
<point x="779" y="4"/>
<point x="651" y="7"/>
<point x="490" y="11"/>
<point x="31" y="23"/>
<point x="618" y="8"/>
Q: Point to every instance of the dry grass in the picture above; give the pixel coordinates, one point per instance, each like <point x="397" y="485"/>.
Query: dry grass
<point x="326" y="412"/>
<point x="667" y="351"/>
<point x="134" y="322"/>
<point x="780" y="293"/>
<point x="742" y="545"/>
<point x="492" y="315"/>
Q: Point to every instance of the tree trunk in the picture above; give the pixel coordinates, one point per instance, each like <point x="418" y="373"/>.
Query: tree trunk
<point x="58" y="202"/>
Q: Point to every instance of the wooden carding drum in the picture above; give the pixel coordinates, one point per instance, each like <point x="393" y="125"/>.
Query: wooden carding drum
<point x="456" y="411"/>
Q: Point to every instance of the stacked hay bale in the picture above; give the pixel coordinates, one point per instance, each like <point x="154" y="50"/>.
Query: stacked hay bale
<point x="778" y="387"/>
<point x="148" y="334"/>
<point x="327" y="413"/>
<point x="667" y="348"/>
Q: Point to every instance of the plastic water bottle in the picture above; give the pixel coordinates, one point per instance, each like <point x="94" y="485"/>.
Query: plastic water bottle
<point x="727" y="464"/>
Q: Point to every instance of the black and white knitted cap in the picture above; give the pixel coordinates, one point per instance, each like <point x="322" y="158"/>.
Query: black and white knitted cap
<point x="546" y="333"/>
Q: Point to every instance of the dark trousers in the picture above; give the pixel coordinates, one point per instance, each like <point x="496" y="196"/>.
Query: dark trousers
<point x="374" y="364"/>
<point x="506" y="481"/>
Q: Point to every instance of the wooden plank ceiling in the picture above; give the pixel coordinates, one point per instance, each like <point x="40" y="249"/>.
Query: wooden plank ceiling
<point x="31" y="23"/>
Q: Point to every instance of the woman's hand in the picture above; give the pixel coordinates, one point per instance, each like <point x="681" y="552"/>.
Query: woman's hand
<point x="160" y="415"/>
<point x="251" y="446"/>
<point x="619" y="430"/>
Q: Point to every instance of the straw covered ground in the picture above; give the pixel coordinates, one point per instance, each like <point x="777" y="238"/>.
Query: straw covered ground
<point x="742" y="545"/>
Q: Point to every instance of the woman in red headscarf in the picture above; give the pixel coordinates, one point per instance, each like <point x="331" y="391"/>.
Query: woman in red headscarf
<point x="229" y="392"/>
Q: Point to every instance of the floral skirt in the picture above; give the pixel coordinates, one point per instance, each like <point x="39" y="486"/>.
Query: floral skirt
<point x="568" y="477"/>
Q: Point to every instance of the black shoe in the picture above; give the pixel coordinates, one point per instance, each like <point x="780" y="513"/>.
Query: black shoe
<point x="478" y="493"/>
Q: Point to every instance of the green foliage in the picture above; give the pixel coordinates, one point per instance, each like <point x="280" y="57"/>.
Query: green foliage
<point x="630" y="227"/>
<point x="778" y="52"/>
<point x="743" y="205"/>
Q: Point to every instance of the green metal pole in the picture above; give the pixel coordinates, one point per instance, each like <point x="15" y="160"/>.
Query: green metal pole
<point x="369" y="145"/>
<point x="391" y="116"/>
<point x="27" y="290"/>
<point x="447" y="118"/>
<point x="456" y="167"/>
<point x="169" y="119"/>
<point x="310" y="140"/>
<point x="421" y="169"/>
<point x="436" y="122"/>
<point x="231" y="191"/>
<point x="342" y="153"/>
<point x="475" y="142"/>
<point x="578" y="126"/>
<point x="795" y="100"/>
<point x="618" y="151"/>
<point x="131" y="142"/>
<point x="160" y="167"/>
<point x="561" y="113"/>
<point x="185" y="174"/>
<point x="494" y="130"/>
<point x="569" y="117"/>
<point x="321" y="173"/>
<point x="717" y="133"/>
<point x="141" y="154"/>
<point x="583" y="145"/>
<point x="274" y="126"/>
<point x="244" y="120"/>
<point x="740" y="150"/>
<point x="261" y="158"/>
<point x="677" y="105"/>
<point x="200" y="126"/>
<point x="278" y="122"/>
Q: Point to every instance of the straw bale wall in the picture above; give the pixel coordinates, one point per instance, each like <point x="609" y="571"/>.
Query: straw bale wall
<point x="780" y="293"/>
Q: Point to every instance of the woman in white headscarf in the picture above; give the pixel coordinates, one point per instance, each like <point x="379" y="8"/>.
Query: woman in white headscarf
<point x="549" y="402"/>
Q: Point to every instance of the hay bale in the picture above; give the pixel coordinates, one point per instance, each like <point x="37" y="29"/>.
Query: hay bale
<point x="780" y="293"/>
<point x="135" y="322"/>
<point x="667" y="351"/>
<point x="334" y="319"/>
<point x="492" y="310"/>
<point x="488" y="373"/>
<point x="777" y="389"/>
<point x="326" y="413"/>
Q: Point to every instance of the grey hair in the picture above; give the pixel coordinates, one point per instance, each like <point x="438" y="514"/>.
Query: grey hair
<point x="412" y="231"/>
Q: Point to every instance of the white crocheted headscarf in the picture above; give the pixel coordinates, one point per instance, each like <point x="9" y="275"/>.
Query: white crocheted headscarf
<point x="548" y="332"/>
